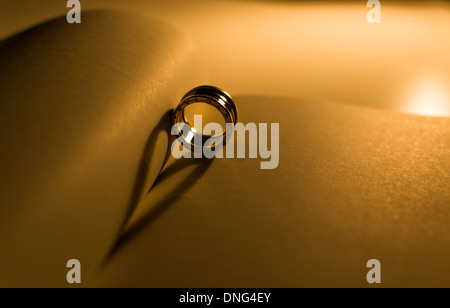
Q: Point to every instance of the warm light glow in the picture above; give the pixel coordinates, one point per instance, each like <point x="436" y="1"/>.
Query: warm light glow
<point x="190" y="135"/>
<point x="429" y="97"/>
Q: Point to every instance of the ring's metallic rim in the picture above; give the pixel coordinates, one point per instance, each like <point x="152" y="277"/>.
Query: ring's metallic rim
<point x="213" y="96"/>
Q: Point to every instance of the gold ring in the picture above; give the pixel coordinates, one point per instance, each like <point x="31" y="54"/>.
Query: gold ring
<point x="213" y="96"/>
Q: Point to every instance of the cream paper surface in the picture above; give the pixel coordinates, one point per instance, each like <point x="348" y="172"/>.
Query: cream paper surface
<point x="353" y="184"/>
<point x="82" y="133"/>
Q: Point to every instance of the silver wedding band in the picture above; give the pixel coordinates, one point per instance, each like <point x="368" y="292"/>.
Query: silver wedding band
<point x="210" y="95"/>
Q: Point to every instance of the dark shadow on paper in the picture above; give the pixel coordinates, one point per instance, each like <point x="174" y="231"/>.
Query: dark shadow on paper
<point x="163" y="126"/>
<point x="201" y="166"/>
